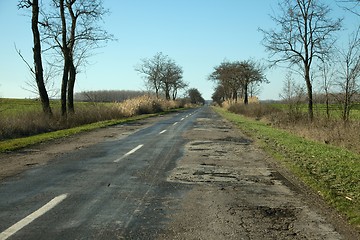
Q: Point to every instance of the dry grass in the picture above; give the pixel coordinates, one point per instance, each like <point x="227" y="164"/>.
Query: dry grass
<point x="330" y="131"/>
<point x="145" y="105"/>
<point x="31" y="122"/>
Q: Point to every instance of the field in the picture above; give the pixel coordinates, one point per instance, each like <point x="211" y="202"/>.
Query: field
<point x="320" y="110"/>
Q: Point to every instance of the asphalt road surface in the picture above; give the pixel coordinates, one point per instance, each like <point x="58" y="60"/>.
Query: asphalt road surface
<point x="189" y="175"/>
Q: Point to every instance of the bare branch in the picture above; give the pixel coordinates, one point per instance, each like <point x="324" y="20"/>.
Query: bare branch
<point x="24" y="60"/>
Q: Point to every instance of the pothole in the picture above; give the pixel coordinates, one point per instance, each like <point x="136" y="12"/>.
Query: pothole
<point x="238" y="140"/>
<point x="196" y="143"/>
<point x="277" y="212"/>
<point x="203" y="173"/>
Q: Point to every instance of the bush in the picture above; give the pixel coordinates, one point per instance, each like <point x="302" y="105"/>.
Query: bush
<point x="254" y="110"/>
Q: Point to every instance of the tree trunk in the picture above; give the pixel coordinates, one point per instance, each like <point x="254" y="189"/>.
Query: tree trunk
<point x="327" y="105"/>
<point x="65" y="51"/>
<point x="64" y="86"/>
<point x="346" y="106"/>
<point x="235" y="95"/>
<point x="71" y="85"/>
<point x="167" y="91"/>
<point x="310" y="94"/>
<point x="246" y="97"/>
<point x="44" y="98"/>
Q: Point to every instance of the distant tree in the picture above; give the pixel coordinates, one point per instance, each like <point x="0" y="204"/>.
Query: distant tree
<point x="162" y="74"/>
<point x="305" y="34"/>
<point x="70" y="27"/>
<point x="235" y="77"/>
<point x="153" y="69"/>
<point x="219" y="95"/>
<point x="327" y="74"/>
<point x="177" y="85"/>
<point x="171" y="79"/>
<point x="38" y="65"/>
<point x="195" y="96"/>
<point x="292" y="94"/>
<point x="229" y="76"/>
<point x="251" y="73"/>
<point x="254" y="89"/>
<point x="349" y="74"/>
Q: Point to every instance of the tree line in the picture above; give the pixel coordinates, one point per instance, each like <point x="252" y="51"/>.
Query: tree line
<point x="107" y="95"/>
<point x="236" y="80"/>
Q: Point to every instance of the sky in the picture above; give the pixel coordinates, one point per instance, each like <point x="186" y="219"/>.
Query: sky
<point x="197" y="34"/>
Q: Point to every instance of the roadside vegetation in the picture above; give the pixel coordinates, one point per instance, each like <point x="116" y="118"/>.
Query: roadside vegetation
<point x="23" y="122"/>
<point x="331" y="167"/>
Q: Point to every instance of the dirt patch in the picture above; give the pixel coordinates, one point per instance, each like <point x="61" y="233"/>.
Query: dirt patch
<point x="240" y="193"/>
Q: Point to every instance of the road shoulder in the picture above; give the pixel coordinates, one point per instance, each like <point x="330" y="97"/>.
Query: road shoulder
<point x="240" y="193"/>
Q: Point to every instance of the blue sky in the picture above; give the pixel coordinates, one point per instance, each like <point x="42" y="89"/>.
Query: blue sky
<point x="197" y="34"/>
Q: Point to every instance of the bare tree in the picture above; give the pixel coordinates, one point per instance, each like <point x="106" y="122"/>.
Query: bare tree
<point x="349" y="60"/>
<point x="38" y="65"/>
<point x="292" y="94"/>
<point x="305" y="34"/>
<point x="251" y="73"/>
<point x="172" y="79"/>
<point x="228" y="75"/>
<point x="195" y="96"/>
<point x="235" y="77"/>
<point x="153" y="69"/>
<point x="219" y="95"/>
<point x="327" y="74"/>
<point x="71" y="29"/>
<point x="161" y="73"/>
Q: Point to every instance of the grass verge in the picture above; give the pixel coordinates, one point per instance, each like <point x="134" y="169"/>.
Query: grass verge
<point x="331" y="171"/>
<point x="14" y="144"/>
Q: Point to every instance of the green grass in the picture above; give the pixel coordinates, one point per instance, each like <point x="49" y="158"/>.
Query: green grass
<point x="320" y="109"/>
<point x="14" y="144"/>
<point x="20" y="106"/>
<point x="331" y="171"/>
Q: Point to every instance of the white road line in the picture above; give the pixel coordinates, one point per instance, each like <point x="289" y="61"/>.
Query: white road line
<point x="130" y="152"/>
<point x="27" y="220"/>
<point x="175" y="123"/>
<point x="162" y="132"/>
<point x="182" y="119"/>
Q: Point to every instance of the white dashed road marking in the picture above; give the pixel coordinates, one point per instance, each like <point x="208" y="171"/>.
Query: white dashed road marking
<point x="27" y="220"/>
<point x="130" y="152"/>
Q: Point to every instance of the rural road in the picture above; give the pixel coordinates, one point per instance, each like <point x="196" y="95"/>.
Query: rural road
<point x="187" y="175"/>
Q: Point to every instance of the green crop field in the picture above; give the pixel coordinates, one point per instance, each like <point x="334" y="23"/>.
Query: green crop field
<point x="320" y="109"/>
<point x="16" y="107"/>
